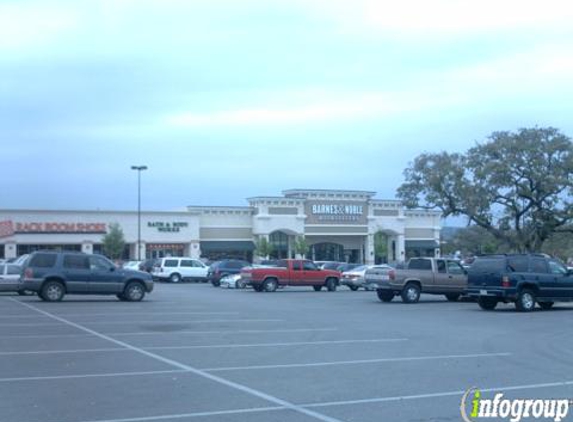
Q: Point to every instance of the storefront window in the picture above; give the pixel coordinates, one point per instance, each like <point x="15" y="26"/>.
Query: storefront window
<point x="327" y="251"/>
<point x="26" y="249"/>
<point x="279" y="240"/>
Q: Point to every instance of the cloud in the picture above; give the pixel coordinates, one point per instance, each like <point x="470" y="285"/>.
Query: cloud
<point x="442" y="17"/>
<point x="346" y="107"/>
<point x="34" y="24"/>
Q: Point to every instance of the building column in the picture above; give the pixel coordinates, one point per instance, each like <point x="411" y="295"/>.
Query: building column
<point x="369" y="248"/>
<point x="87" y="247"/>
<point x="194" y="250"/>
<point x="143" y="250"/>
<point x="401" y="248"/>
<point x="10" y="250"/>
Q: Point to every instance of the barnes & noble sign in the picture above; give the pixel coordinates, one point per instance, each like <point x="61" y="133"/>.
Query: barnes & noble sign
<point x="324" y="212"/>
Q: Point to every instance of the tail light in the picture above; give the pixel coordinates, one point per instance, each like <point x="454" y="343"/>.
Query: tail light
<point x="28" y="273"/>
<point x="392" y="274"/>
<point x="505" y="281"/>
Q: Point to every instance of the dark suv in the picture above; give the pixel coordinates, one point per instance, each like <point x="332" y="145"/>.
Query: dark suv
<point x="220" y="269"/>
<point x="525" y="279"/>
<point x="53" y="274"/>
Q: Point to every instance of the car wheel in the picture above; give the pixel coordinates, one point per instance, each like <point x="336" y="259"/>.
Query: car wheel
<point x="331" y="285"/>
<point x="385" y="295"/>
<point x="546" y="305"/>
<point x="525" y="301"/>
<point x="270" y="285"/>
<point x="411" y="293"/>
<point x="53" y="291"/>
<point x="452" y="297"/>
<point x="134" y="292"/>
<point x="175" y="278"/>
<point x="487" y="303"/>
<point x="317" y="288"/>
<point x="240" y="284"/>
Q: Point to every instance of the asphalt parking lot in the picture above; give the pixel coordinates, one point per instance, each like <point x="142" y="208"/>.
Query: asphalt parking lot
<point x="191" y="352"/>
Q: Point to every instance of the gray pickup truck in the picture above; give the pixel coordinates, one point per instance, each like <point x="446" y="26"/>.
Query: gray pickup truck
<point x="422" y="275"/>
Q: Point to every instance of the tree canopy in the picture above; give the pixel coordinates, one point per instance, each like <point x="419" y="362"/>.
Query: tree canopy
<point x="515" y="185"/>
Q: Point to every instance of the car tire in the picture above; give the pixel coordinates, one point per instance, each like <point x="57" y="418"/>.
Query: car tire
<point x="270" y="285"/>
<point x="353" y="288"/>
<point x="317" y="288"/>
<point x="525" y="301"/>
<point x="331" y="285"/>
<point x="53" y="291"/>
<point x="487" y="303"/>
<point x="240" y="284"/>
<point x="175" y="278"/>
<point x="134" y="292"/>
<point x="385" y="295"/>
<point x="546" y="305"/>
<point x="452" y="297"/>
<point x="411" y="293"/>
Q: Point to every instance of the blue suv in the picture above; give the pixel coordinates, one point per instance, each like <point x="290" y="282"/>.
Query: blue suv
<point x="54" y="274"/>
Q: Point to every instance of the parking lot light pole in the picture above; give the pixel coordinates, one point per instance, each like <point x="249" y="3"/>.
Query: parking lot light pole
<point x="139" y="170"/>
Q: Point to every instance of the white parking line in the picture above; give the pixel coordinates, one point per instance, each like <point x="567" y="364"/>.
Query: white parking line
<point x="441" y="394"/>
<point x="297" y="343"/>
<point x="56" y="352"/>
<point x="127" y="315"/>
<point x="355" y="362"/>
<point x="155" y="333"/>
<point x="104" y="375"/>
<point x="179" y="365"/>
<point x="194" y="415"/>
<point x="136" y="321"/>
<point x="206" y="346"/>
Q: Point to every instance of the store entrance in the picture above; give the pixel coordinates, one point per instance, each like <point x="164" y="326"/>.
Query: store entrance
<point x="327" y="251"/>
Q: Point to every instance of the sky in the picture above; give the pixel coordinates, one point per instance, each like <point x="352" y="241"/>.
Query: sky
<point x="224" y="100"/>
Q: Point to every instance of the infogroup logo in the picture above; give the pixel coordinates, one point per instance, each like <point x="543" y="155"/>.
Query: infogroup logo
<point x="474" y="407"/>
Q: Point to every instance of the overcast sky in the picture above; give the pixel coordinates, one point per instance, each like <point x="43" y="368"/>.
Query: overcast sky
<point x="228" y="99"/>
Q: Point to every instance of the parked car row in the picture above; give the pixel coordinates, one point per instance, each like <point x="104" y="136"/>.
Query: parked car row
<point x="526" y="280"/>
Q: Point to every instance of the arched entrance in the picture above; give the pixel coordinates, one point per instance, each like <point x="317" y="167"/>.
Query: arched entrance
<point x="280" y="243"/>
<point x="327" y="251"/>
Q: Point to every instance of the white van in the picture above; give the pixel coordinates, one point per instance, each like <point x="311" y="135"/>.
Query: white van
<point x="176" y="269"/>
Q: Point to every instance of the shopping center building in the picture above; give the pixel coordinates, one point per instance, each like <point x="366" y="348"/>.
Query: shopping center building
<point x="338" y="225"/>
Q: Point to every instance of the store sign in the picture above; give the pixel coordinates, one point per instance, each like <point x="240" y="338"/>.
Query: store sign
<point x="57" y="227"/>
<point x="163" y="226"/>
<point x="336" y="212"/>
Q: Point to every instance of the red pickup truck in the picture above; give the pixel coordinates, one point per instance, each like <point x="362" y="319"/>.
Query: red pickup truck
<point x="290" y="272"/>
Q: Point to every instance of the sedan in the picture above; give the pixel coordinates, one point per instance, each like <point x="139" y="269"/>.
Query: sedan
<point x="233" y="281"/>
<point x="354" y="278"/>
<point x="10" y="278"/>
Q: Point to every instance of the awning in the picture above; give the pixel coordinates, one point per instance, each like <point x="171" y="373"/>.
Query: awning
<point x="422" y="244"/>
<point x="227" y="245"/>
